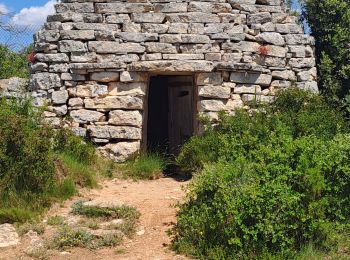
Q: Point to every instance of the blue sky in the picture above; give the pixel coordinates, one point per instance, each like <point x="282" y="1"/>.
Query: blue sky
<point x="32" y="13"/>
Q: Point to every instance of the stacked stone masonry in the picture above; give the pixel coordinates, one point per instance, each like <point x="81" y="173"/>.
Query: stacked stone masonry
<point x="94" y="59"/>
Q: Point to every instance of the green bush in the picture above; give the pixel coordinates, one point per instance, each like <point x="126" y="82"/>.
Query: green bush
<point x="14" y="64"/>
<point x="38" y="165"/>
<point x="278" y="181"/>
<point x="296" y="112"/>
<point x="26" y="162"/>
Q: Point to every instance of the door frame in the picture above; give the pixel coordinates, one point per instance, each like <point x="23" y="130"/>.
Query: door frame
<point x="195" y="101"/>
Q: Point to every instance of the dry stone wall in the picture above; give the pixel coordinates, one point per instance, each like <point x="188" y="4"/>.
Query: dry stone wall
<point x="94" y="59"/>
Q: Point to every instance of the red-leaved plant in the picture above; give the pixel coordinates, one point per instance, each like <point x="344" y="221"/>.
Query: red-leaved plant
<point x="263" y="51"/>
<point x="31" y="57"/>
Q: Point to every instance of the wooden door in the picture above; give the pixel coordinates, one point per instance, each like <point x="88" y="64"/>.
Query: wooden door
<point x="181" y="111"/>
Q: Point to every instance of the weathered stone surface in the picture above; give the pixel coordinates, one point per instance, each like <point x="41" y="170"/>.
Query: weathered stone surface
<point x="121" y="151"/>
<point x="129" y="76"/>
<point x="212" y="91"/>
<point x="8" y="236"/>
<point x="59" y="97"/>
<point x="115" y="132"/>
<point x="44" y="81"/>
<point x="209" y="78"/>
<point x="103" y="53"/>
<point x="129" y="118"/>
<point x="105" y="76"/>
<point x="131" y="89"/>
<point x="172" y="66"/>
<point x="85" y="116"/>
<point x="251" y="78"/>
<point x="114" y="102"/>
<point x="211" y="105"/>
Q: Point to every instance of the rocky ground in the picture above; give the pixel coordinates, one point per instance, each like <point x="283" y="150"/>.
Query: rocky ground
<point x="153" y="199"/>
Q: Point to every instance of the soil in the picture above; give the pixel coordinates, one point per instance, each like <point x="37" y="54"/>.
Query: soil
<point x="154" y="199"/>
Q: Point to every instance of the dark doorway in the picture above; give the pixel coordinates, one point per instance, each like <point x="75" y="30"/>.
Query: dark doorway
<point x="170" y="113"/>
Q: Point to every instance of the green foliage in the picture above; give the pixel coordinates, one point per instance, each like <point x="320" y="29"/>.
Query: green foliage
<point x="146" y="166"/>
<point x="23" y="229"/>
<point x="14" y="64"/>
<point x="25" y="152"/>
<point x="278" y="180"/>
<point x="330" y="22"/>
<point x="39" y="165"/>
<point x="55" y="220"/>
<point x="123" y="211"/>
<point x="296" y="112"/>
<point x="68" y="237"/>
<point x="76" y="172"/>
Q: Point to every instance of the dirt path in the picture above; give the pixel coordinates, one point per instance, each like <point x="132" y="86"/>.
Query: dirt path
<point x="154" y="200"/>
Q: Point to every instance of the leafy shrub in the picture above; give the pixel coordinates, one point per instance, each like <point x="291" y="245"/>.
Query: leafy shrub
<point x="68" y="237"/>
<point x="74" y="146"/>
<point x="25" y="153"/>
<point x="14" y="64"/>
<point x="39" y="165"/>
<point x="55" y="220"/>
<point x="278" y="181"/>
<point x="146" y="166"/>
<point x="23" y="229"/>
<point x="297" y="112"/>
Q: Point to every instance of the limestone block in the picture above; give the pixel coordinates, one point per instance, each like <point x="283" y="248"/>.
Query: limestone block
<point x="8" y="236"/>
<point x="208" y="7"/>
<point x="44" y="81"/>
<point x="247" y="89"/>
<point x="212" y="91"/>
<point x="59" y="97"/>
<point x="259" y="18"/>
<point x="308" y="75"/>
<point x="75" y="102"/>
<point x="184" y="56"/>
<point x="170" y="7"/>
<point x="127" y="118"/>
<point x="129" y="76"/>
<point x="130" y="89"/>
<point x="284" y="75"/>
<point x="281" y="84"/>
<point x="271" y="37"/>
<point x="85" y="116"/>
<point x="199" y="48"/>
<point x="178" y="28"/>
<point x="302" y="62"/>
<point x="115" y="47"/>
<point x="114" y="102"/>
<point x="288" y="28"/>
<point x="213" y="78"/>
<point x="117" y="18"/>
<point x="251" y="78"/>
<point x="115" y="132"/>
<point x="211" y="105"/>
<point x="193" y="17"/>
<point x="160" y="47"/>
<point x="137" y="37"/>
<point x="154" y="28"/>
<point x="257" y="98"/>
<point x="75" y="7"/>
<point x="123" y="7"/>
<point x="184" y="38"/>
<point x="77" y="34"/>
<point x="72" y="46"/>
<point x="104" y="76"/>
<point x="233" y="104"/>
<point x="172" y="66"/>
<point x="148" y="17"/>
<point x="121" y="151"/>
<point x="56" y="57"/>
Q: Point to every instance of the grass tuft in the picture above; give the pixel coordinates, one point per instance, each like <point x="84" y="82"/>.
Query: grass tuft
<point x="147" y="166"/>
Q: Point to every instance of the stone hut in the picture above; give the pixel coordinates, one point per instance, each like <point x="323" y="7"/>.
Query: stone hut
<point x="132" y="74"/>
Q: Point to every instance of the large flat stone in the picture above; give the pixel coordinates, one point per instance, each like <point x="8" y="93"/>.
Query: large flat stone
<point x="172" y="66"/>
<point x="251" y="78"/>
